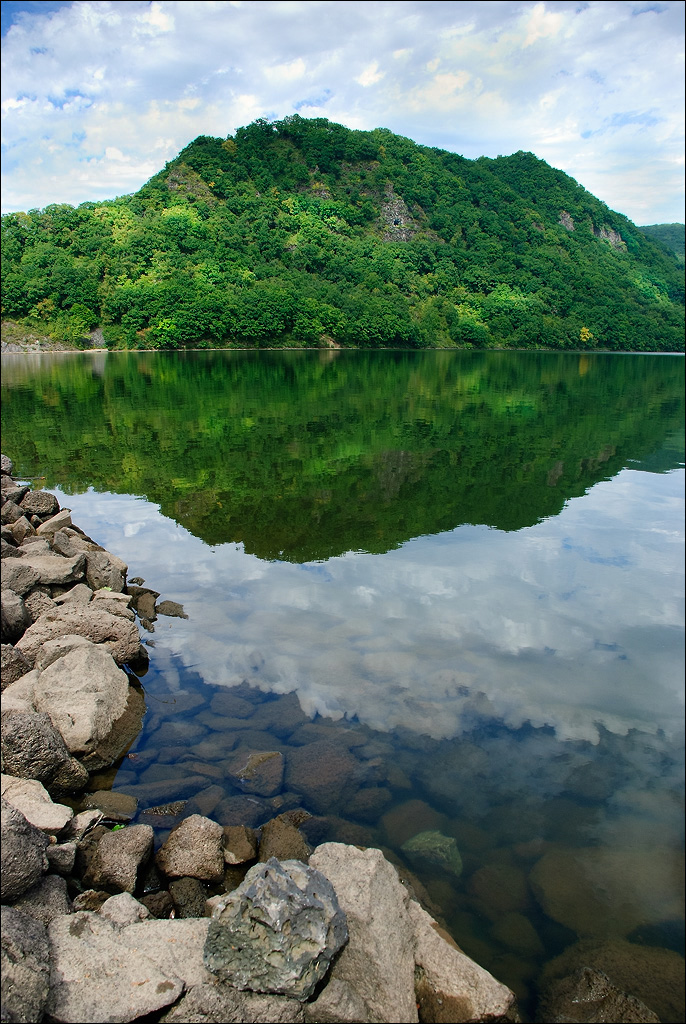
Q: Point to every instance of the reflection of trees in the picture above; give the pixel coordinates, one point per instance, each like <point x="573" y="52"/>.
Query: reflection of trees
<point x="303" y="458"/>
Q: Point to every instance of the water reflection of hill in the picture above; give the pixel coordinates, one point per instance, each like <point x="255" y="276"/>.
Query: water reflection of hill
<point x="303" y="456"/>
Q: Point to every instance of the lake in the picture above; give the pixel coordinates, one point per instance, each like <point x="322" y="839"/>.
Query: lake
<point x="446" y="587"/>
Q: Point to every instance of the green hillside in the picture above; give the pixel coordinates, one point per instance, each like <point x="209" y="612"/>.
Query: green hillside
<point x="302" y="232"/>
<point x="670" y="236"/>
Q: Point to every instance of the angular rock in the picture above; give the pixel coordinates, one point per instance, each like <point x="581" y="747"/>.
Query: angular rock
<point x="33" y="800"/>
<point x="160" y="904"/>
<point x="13" y="665"/>
<point x="337" y="1003"/>
<point x="38" y="602"/>
<point x="277" y="932"/>
<point x="120" y="637"/>
<point x="258" y="771"/>
<point x="449" y="986"/>
<point x="16" y="617"/>
<point x="116" y="806"/>
<point x="222" y="1004"/>
<point x="93" y="970"/>
<point x="84" y="693"/>
<point x="25" y="971"/>
<point x="70" y="777"/>
<point x="57" y="522"/>
<point x="40" y="503"/>
<point x="31" y="746"/>
<point x="57" y="648"/>
<point x="6" y="465"/>
<point x="91" y="900"/>
<point x="124" y="910"/>
<point x="53" y="568"/>
<point x="61" y="857"/>
<point x="175" y="947"/>
<point x="124" y="731"/>
<point x="434" y="848"/>
<point x="23" y="853"/>
<point x="47" y="900"/>
<point x="588" y="996"/>
<point x="80" y="593"/>
<point x="378" y="961"/>
<point x="19" y="695"/>
<point x="280" y="839"/>
<point x="119" y="857"/>
<point x="21" y="529"/>
<point x="189" y="896"/>
<point x="10" y="512"/>
<point x="8" y="550"/>
<point x="105" y="570"/>
<point x="240" y="844"/>
<point x="193" y="849"/>
<point x="171" y="608"/>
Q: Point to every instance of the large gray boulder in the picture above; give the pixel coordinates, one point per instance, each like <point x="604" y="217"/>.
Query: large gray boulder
<point x="13" y="665"/>
<point x="277" y="932"/>
<point x="25" y="973"/>
<point x="32" y="748"/>
<point x="118" y="635"/>
<point x="449" y="986"/>
<point x="40" y="503"/>
<point x="119" y="857"/>
<point x="194" y="849"/>
<point x="378" y="963"/>
<point x="53" y="568"/>
<point x="46" y="900"/>
<point x="223" y="1004"/>
<point x="15" y="616"/>
<point x="84" y="693"/>
<point x="105" y="570"/>
<point x="95" y="976"/>
<point x="22" y="849"/>
<point x="35" y="803"/>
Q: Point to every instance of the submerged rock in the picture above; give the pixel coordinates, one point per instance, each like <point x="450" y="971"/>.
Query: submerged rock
<point x="277" y="932"/>
<point x="434" y="848"/>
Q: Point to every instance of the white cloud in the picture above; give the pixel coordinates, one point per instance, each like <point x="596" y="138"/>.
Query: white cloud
<point x="595" y="89"/>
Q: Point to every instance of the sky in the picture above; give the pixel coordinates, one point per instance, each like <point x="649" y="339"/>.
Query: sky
<point x="98" y="95"/>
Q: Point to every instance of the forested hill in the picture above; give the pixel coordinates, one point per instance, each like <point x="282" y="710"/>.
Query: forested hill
<point x="671" y="236"/>
<point x="302" y="232"/>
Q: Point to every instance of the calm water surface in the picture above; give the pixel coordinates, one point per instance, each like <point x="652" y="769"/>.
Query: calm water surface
<point x="447" y="587"/>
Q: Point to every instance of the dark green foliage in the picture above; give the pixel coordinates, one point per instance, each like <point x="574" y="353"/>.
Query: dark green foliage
<point x="302" y="232"/>
<point x="670" y="236"/>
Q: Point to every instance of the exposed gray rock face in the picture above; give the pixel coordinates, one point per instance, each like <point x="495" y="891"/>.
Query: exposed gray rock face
<point x="95" y="976"/>
<point x="15" y="616"/>
<point x="61" y="857"/>
<point x="589" y="996"/>
<point x="175" y="947"/>
<point x="194" y="849"/>
<point x="31" y="746"/>
<point x="40" y="503"/>
<point x="13" y="665"/>
<point x="222" y="1004"/>
<point x="55" y="649"/>
<point x="121" y="637"/>
<point x="8" y="549"/>
<point x="448" y="985"/>
<point x="119" y="857"/>
<point x="105" y="570"/>
<point x="52" y="568"/>
<point x="84" y="693"/>
<point x="378" y="961"/>
<point x="23" y="853"/>
<point x="6" y="465"/>
<point x="124" y="910"/>
<point x="10" y="512"/>
<point x="25" y="972"/>
<point x="81" y="593"/>
<point x="34" y="802"/>
<point x="240" y="844"/>
<point x="277" y="932"/>
<point x="55" y="523"/>
<point x="47" y="900"/>
<point x="21" y="529"/>
<point x="38" y="601"/>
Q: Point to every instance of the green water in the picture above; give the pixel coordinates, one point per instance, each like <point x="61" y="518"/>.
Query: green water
<point x="452" y="581"/>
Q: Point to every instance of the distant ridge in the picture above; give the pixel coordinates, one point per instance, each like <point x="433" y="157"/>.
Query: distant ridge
<point x="305" y="233"/>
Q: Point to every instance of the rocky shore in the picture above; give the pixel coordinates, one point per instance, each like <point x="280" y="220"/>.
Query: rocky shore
<point x="219" y="923"/>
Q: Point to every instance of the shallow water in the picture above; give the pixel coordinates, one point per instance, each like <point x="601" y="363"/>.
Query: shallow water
<point x="447" y="588"/>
